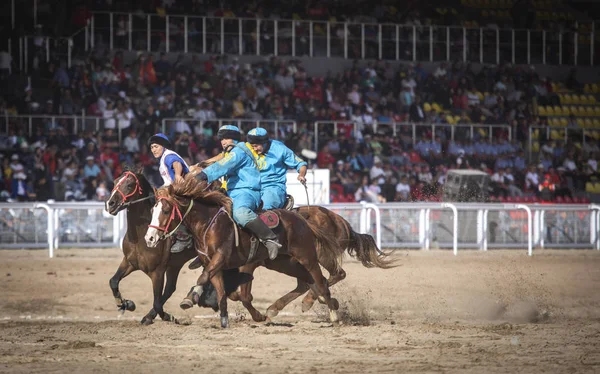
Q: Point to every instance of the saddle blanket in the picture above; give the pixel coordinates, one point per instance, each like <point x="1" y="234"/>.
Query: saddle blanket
<point x="271" y="219"/>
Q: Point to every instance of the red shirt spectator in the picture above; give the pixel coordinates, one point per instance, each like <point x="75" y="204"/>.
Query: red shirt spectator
<point x="324" y="158"/>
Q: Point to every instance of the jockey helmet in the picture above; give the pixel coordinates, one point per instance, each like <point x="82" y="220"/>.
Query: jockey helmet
<point x="160" y="139"/>
<point x="258" y="135"/>
<point x="229" y="132"/>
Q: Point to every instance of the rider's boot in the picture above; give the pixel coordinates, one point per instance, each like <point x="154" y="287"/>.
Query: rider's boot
<point x="266" y="236"/>
<point x="183" y="240"/>
<point x="195" y="264"/>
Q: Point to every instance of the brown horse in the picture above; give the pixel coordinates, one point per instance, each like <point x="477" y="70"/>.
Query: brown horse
<point x="321" y="220"/>
<point x="208" y="216"/>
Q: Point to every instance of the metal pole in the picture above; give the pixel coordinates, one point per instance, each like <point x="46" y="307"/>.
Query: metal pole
<point x="185" y="34"/>
<point x="26" y="57"/>
<point x="431" y="43"/>
<point x="294" y="38"/>
<point x="560" y="48"/>
<point x="130" y="30"/>
<point x="87" y="29"/>
<point x="464" y="44"/>
<point x="69" y="52"/>
<point x="10" y="53"/>
<point x="497" y="47"/>
<point x="362" y="40"/>
<point x="240" y="38"/>
<point x="544" y="47"/>
<point x="258" y="37"/>
<point x="93" y="28"/>
<point x="447" y="43"/>
<point x="204" y="35"/>
<point x="481" y="45"/>
<point x="592" y="43"/>
<point x="12" y="14"/>
<point x="47" y="49"/>
<point x="222" y="35"/>
<point x="275" y="39"/>
<point x="513" y="45"/>
<point x="345" y="40"/>
<point x="414" y="46"/>
<point x="149" y="34"/>
<point x="34" y="13"/>
<point x="328" y="40"/>
<point x="167" y="36"/>
<point x="576" y="47"/>
<point x="380" y="37"/>
<point x="111" y="34"/>
<point x="310" y="39"/>
<point x="397" y="42"/>
<point x="454" y="227"/>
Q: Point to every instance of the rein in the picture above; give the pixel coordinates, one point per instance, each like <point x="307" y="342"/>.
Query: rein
<point x="137" y="188"/>
<point x="174" y="212"/>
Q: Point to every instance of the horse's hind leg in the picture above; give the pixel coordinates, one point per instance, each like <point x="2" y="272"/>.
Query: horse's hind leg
<point x="320" y="286"/>
<point x="288" y="266"/>
<point x="124" y="270"/>
<point x="172" y="274"/>
<point x="245" y="294"/>
<point x="334" y="277"/>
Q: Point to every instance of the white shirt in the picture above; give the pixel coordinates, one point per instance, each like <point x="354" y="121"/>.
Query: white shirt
<point x="164" y="170"/>
<point x="109" y="120"/>
<point x="532" y="180"/>
<point x="131" y="144"/>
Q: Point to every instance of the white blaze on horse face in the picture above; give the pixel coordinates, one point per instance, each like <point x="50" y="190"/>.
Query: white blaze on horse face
<point x="152" y="233"/>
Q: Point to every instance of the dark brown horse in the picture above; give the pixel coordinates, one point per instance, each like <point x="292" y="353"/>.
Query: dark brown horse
<point x="207" y="214"/>
<point x="360" y="246"/>
<point x="133" y="192"/>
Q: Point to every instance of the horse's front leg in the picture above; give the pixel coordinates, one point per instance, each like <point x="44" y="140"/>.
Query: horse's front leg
<point x="124" y="270"/>
<point x="158" y="283"/>
<point x="214" y="266"/>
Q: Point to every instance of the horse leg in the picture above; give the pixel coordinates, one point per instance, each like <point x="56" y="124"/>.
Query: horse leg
<point x="310" y="297"/>
<point x="320" y="286"/>
<point x="214" y="266"/>
<point x="245" y="294"/>
<point x="219" y="284"/>
<point x="172" y="274"/>
<point x="158" y="283"/>
<point x="285" y="265"/>
<point x="124" y="270"/>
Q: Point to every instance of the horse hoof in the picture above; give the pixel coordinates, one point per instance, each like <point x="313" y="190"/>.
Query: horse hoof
<point x="333" y="316"/>
<point x="306" y="306"/>
<point x="186" y="304"/>
<point x="129" y="305"/>
<point x="272" y="313"/>
<point x="146" y="321"/>
<point x="169" y="318"/>
<point x="335" y="305"/>
<point x="259" y="318"/>
<point x="321" y="300"/>
<point x="225" y="322"/>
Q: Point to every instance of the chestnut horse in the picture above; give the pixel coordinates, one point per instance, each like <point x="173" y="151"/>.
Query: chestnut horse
<point x="207" y="214"/>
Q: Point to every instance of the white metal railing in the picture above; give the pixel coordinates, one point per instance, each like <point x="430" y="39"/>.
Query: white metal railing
<point x="278" y="128"/>
<point x="394" y="225"/>
<point x="254" y="36"/>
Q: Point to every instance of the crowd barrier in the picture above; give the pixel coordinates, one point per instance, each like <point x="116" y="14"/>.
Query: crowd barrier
<point x="455" y="226"/>
<point x="385" y="41"/>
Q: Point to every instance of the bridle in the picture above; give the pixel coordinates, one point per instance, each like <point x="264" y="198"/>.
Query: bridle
<point x="138" y="189"/>
<point x="175" y="213"/>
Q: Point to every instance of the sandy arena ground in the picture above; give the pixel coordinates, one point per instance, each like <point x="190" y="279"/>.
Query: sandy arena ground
<point x="479" y="312"/>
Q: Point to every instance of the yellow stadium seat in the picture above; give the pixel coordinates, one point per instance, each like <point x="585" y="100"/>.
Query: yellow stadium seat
<point x="436" y="107"/>
<point x="450" y="120"/>
<point x="563" y="122"/>
<point x="589" y="187"/>
<point x="574" y="111"/>
<point x="587" y="88"/>
<point x="535" y="147"/>
<point x="556" y="135"/>
<point x="558" y="111"/>
<point x="587" y="123"/>
<point x="535" y="134"/>
<point x="595" y="88"/>
<point x="580" y="122"/>
<point x="480" y="96"/>
<point x="591" y="99"/>
<point x="566" y="99"/>
<point x="589" y="111"/>
<point x="427" y="107"/>
<point x="542" y="111"/>
<point x="596" y="123"/>
<point x="566" y="110"/>
<point x="554" y="122"/>
<point x="596" y="187"/>
<point x="584" y="100"/>
<point x="549" y="111"/>
<point x="575" y="100"/>
<point x="597" y="111"/>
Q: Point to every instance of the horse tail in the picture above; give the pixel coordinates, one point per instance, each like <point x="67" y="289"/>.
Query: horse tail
<point x="326" y="247"/>
<point x="364" y="248"/>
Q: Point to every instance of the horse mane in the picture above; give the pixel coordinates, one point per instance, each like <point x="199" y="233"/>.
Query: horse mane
<point x="194" y="189"/>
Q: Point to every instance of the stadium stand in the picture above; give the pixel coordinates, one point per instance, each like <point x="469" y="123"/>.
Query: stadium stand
<point x="545" y="130"/>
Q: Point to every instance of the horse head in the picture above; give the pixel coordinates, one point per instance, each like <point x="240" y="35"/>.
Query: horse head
<point x="129" y="187"/>
<point x="167" y="216"/>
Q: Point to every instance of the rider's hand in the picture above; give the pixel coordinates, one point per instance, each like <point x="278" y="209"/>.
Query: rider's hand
<point x="178" y="179"/>
<point x="302" y="179"/>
